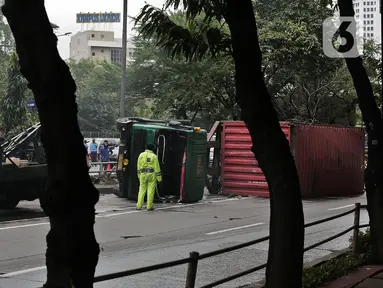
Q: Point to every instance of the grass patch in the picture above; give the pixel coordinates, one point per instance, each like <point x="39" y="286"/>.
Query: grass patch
<point x="316" y="276"/>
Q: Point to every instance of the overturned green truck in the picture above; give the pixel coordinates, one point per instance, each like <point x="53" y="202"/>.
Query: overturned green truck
<point x="181" y="150"/>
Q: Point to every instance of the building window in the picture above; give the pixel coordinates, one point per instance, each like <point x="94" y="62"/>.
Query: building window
<point x="372" y="34"/>
<point x="102" y="36"/>
<point x="93" y="54"/>
<point x="92" y="36"/>
<point x="115" y="55"/>
<point x="372" y="28"/>
<point x="102" y="50"/>
<point x="372" y="21"/>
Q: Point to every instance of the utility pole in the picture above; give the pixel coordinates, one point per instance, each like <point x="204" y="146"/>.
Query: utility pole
<point x="124" y="48"/>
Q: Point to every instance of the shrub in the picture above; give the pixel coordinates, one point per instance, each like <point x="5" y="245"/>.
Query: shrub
<point x="316" y="276"/>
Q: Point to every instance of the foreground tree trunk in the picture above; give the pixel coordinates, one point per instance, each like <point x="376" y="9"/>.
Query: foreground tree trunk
<point x="271" y="149"/>
<point x="374" y="126"/>
<point x="72" y="250"/>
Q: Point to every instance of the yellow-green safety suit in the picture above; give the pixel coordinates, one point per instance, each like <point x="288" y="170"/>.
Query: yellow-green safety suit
<point x="149" y="172"/>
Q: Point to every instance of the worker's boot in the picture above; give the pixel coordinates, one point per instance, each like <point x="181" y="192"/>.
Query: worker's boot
<point x="150" y="209"/>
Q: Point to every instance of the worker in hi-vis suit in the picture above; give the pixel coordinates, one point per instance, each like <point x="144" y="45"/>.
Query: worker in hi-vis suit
<point x="149" y="172"/>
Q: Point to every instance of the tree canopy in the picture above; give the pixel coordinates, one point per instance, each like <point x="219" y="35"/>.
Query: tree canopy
<point x="306" y="86"/>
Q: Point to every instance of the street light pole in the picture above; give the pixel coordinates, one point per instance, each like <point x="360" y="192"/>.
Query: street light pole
<point x="124" y="48"/>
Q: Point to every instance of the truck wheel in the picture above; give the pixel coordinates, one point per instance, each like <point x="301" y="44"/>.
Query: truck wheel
<point x="8" y="204"/>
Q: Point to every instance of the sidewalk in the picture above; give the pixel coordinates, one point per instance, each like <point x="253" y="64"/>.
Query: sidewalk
<point x="364" y="277"/>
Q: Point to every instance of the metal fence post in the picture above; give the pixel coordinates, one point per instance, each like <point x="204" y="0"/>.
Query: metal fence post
<point x="192" y="270"/>
<point x="355" y="236"/>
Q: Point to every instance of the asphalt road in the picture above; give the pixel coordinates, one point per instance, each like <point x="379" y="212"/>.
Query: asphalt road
<point x="131" y="239"/>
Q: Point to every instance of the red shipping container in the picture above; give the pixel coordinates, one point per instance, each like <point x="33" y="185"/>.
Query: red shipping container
<point x="240" y="173"/>
<point x="330" y="160"/>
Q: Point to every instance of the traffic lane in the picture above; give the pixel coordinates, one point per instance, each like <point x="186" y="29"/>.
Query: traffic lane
<point x="166" y="225"/>
<point x="130" y="255"/>
<point x="110" y="202"/>
<point x="212" y="269"/>
<point x="209" y="269"/>
<point x="21" y="242"/>
<point x="107" y="203"/>
<point x="32" y="209"/>
<point x="28" y="238"/>
<point x="149" y="241"/>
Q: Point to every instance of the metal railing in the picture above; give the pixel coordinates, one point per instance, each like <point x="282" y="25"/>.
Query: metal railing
<point x="194" y="257"/>
<point x="100" y="168"/>
<point x="100" y="134"/>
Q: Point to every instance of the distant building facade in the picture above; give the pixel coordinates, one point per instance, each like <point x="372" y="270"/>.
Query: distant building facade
<point x="99" y="45"/>
<point x="368" y="15"/>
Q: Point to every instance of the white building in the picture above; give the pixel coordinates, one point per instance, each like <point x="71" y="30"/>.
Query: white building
<point x="368" y="15"/>
<point x="99" y="45"/>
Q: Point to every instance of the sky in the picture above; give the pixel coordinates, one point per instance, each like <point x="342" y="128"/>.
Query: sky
<point x="63" y="13"/>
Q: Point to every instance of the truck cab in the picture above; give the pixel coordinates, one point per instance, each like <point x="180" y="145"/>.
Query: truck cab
<point x="181" y="151"/>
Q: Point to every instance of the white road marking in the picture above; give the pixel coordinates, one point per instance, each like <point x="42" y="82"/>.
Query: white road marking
<point x="124" y="213"/>
<point x="16" y="273"/>
<point x="24" y="226"/>
<point x="233" y="229"/>
<point x="341" y="207"/>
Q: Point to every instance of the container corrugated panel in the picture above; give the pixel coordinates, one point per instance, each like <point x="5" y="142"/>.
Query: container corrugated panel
<point x="240" y="172"/>
<point x="329" y="160"/>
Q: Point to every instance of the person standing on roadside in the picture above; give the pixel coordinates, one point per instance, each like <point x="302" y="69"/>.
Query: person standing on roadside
<point x="105" y="153"/>
<point x="86" y="147"/>
<point x="93" y="151"/>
